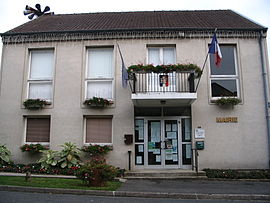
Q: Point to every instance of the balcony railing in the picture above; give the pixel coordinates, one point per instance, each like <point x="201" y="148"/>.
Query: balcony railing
<point x="144" y="82"/>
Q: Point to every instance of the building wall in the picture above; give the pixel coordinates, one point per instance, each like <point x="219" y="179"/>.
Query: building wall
<point x="227" y="145"/>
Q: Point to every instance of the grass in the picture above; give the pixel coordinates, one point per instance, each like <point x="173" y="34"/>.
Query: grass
<point x="55" y="183"/>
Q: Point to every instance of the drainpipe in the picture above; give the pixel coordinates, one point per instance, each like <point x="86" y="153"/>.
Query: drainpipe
<point x="266" y="91"/>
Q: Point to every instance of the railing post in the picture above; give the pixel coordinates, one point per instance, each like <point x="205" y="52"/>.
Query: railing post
<point x="191" y="82"/>
<point x="134" y="83"/>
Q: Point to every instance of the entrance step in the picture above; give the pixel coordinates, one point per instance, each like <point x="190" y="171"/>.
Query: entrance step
<point x="165" y="174"/>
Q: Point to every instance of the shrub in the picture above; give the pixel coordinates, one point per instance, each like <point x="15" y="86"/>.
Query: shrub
<point x="48" y="159"/>
<point x="4" y="155"/>
<point x="96" y="173"/>
<point x="36" y="168"/>
<point x="35" y="148"/>
<point x="238" y="174"/>
<point x="96" y="150"/>
<point x="69" y="156"/>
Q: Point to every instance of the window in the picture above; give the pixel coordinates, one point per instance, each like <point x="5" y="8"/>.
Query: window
<point x="99" y="130"/>
<point x="161" y="55"/>
<point x="37" y="130"/>
<point x="40" y="77"/>
<point x="99" y="73"/>
<point x="224" y="79"/>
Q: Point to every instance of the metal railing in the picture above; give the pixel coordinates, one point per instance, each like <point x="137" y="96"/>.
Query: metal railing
<point x="142" y="82"/>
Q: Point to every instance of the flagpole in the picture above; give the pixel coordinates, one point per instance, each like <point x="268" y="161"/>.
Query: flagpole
<point x="202" y="71"/>
<point x="204" y="65"/>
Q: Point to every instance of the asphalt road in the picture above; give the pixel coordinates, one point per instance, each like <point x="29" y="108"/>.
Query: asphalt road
<point x="24" y="197"/>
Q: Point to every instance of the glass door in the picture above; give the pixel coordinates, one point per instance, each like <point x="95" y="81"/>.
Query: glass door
<point x="163" y="142"/>
<point x="171" y="142"/>
<point x="154" y="142"/>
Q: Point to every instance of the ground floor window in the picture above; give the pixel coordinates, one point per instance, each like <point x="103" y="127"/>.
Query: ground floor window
<point x="38" y="130"/>
<point x="98" y="130"/>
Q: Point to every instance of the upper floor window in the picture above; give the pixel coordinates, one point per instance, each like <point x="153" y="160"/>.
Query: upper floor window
<point x="99" y="73"/>
<point x="161" y="55"/>
<point x="224" y="79"/>
<point x="40" y="77"/>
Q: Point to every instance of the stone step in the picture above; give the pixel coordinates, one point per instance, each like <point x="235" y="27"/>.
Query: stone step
<point x="165" y="174"/>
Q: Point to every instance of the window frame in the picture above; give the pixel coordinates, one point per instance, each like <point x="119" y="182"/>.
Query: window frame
<point x="84" y="129"/>
<point x="48" y="80"/>
<point x="25" y="129"/>
<point x="99" y="79"/>
<point x="235" y="77"/>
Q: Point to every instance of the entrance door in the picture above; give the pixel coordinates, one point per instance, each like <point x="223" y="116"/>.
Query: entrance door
<point x="162" y="143"/>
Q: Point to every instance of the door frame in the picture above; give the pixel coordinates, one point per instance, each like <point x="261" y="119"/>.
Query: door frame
<point x="180" y="156"/>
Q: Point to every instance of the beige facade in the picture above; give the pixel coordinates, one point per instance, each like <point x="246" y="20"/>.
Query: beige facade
<point x="241" y="144"/>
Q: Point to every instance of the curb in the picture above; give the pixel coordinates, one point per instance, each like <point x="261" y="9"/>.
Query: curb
<point x="137" y="194"/>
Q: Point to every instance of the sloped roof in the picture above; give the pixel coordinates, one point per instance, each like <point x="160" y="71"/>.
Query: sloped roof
<point x="146" y="20"/>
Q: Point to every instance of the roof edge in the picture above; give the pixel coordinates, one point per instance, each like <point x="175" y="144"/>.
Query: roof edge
<point x="264" y="29"/>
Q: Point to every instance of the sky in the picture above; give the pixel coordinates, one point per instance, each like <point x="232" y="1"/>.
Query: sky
<point x="11" y="11"/>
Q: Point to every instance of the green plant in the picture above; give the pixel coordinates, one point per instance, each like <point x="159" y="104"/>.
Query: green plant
<point x="4" y="155"/>
<point x="98" y="101"/>
<point x="35" y="148"/>
<point x="96" y="173"/>
<point x="238" y="174"/>
<point x="228" y="101"/>
<point x="48" y="159"/>
<point x="69" y="156"/>
<point x="95" y="150"/>
<point x="35" y="103"/>
<point x="165" y="68"/>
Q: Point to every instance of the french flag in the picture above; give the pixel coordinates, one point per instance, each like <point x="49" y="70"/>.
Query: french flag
<point x="214" y="49"/>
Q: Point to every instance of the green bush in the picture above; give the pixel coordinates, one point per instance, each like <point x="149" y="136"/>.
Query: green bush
<point x="36" y="168"/>
<point x="4" y="155"/>
<point x="238" y="174"/>
<point x="96" y="173"/>
<point x="48" y="159"/>
<point x="69" y="156"/>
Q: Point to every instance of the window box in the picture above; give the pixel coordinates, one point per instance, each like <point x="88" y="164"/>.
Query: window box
<point x="33" y="148"/>
<point x="164" y="68"/>
<point x="227" y="101"/>
<point x="97" y="102"/>
<point x="35" y="104"/>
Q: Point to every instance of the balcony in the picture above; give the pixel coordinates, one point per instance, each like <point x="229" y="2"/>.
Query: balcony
<point x="171" y="88"/>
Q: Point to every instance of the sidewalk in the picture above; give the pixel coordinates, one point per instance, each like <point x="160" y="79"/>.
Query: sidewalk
<point x="181" y="189"/>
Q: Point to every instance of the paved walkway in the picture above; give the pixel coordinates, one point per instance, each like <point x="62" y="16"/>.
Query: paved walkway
<point x="182" y="189"/>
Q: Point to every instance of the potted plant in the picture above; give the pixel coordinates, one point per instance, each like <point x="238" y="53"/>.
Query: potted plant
<point x="98" y="102"/>
<point x="35" y="104"/>
<point x="227" y="101"/>
<point x="34" y="148"/>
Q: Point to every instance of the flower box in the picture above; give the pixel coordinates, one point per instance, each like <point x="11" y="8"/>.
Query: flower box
<point x="35" y="104"/>
<point x="97" y="102"/>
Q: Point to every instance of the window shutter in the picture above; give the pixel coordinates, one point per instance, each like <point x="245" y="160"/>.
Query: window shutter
<point x="99" y="130"/>
<point x="38" y="130"/>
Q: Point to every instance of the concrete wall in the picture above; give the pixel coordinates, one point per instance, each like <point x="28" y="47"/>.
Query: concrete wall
<point x="227" y="145"/>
